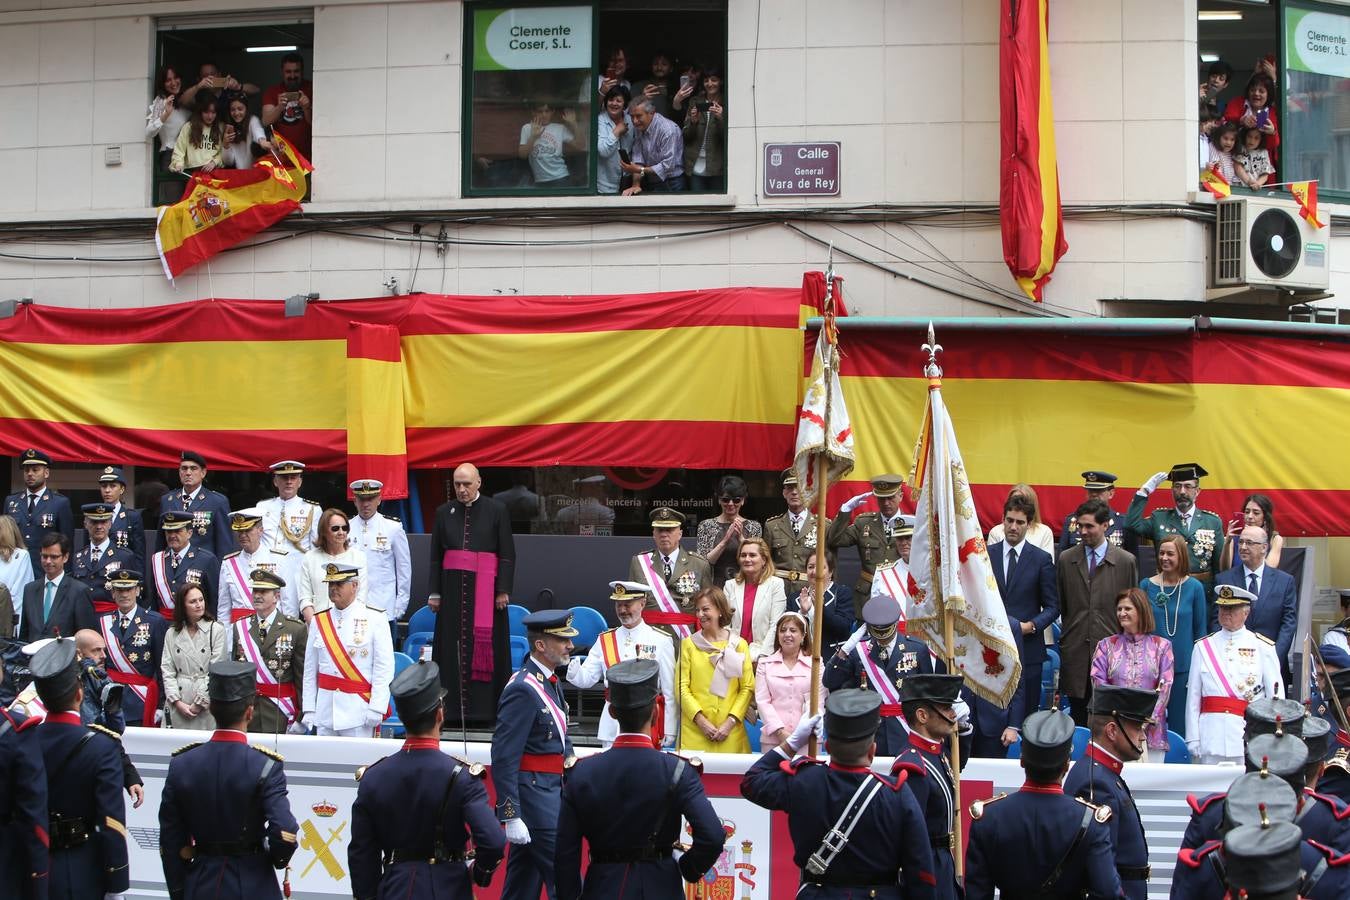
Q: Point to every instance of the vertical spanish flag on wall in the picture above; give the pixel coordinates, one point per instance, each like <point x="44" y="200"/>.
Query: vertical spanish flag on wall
<point x="1029" y="207"/>
<point x="221" y="208"/>
<point x="377" y="445"/>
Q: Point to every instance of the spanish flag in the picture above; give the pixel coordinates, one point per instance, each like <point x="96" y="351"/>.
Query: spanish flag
<point x="1029" y="203"/>
<point x="219" y="209"/>
<point x="1305" y="194"/>
<point x="1212" y="180"/>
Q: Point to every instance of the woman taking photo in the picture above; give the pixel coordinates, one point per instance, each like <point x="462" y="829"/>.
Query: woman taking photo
<point x="716" y="680"/>
<point x="1038" y="533"/>
<point x="195" y="640"/>
<point x="705" y="136"/>
<point x="719" y="539"/>
<point x="1133" y="657"/>
<point x="244" y="139"/>
<point x="756" y="596"/>
<point x="783" y="680"/>
<point x="1257" y="510"/>
<point x="1179" y="613"/>
<point x="333" y="546"/>
<point x="614" y="137"/>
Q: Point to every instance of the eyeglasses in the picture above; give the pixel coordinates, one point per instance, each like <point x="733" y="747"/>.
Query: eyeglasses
<point x="732" y="499"/>
<point x="337" y="528"/>
<point x="1243" y="542"/>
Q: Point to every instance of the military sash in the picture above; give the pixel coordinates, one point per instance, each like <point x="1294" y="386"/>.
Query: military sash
<point x="559" y="718"/>
<point x="1219" y="674"/>
<point x="352" y="681"/>
<point x="268" y="685"/>
<point x="661" y="591"/>
<point x="894" y="583"/>
<point x="609" y="648"/>
<point x="242" y="607"/>
<point x="124" y="673"/>
<point x="159" y="573"/>
<point x="890" y="694"/>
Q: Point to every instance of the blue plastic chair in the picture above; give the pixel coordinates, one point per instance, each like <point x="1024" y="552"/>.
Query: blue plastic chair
<point x="588" y="623"/>
<point x="520" y="648"/>
<point x="422" y="620"/>
<point x="1081" y="737"/>
<point x="752" y="730"/>
<point x="515" y="614"/>
<point x="1177" y="751"/>
<point x="393" y="725"/>
<point x="414" y="643"/>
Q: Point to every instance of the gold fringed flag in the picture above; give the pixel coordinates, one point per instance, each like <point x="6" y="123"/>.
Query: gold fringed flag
<point x="1305" y="194"/>
<point x="948" y="562"/>
<point x="1213" y="181"/>
<point x="377" y="444"/>
<point x="222" y="208"/>
<point x="823" y="425"/>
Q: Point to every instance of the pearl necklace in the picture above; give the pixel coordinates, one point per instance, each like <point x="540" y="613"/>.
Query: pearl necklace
<point x="1170" y="627"/>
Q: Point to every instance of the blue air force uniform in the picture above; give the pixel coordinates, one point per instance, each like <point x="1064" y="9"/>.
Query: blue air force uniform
<point x="95" y="570"/>
<point x="43" y="511"/>
<point x="23" y="809"/>
<point x="417" y="808"/>
<point x="193" y="565"/>
<point x="210" y="513"/>
<point x="142" y="642"/>
<point x="128" y="533"/>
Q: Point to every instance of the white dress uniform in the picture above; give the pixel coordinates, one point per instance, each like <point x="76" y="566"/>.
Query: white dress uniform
<point x="1249" y="668"/>
<point x="312" y="590"/>
<point x="642" y="642"/>
<point x="892" y="580"/>
<point x="290" y="529"/>
<point x="235" y="595"/>
<point x="365" y="635"/>
<point x="388" y="574"/>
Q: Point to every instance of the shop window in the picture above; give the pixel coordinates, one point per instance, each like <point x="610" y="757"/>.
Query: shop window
<point x="1316" y="107"/>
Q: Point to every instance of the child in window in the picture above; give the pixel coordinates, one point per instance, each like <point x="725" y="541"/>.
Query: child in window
<point x="1208" y="122"/>
<point x="1222" y="142"/>
<point x="201" y="142"/>
<point x="1253" y="160"/>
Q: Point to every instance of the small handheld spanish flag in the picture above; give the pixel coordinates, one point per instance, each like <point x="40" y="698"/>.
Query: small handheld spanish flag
<point x="1212" y="180"/>
<point x="1305" y="194"/>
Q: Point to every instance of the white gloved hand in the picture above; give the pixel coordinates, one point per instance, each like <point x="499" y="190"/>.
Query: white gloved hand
<point x="854" y="502"/>
<point x="802" y="733"/>
<point x="1152" y="484"/>
<point x="853" y="640"/>
<point x="297" y="728"/>
<point x="373" y="719"/>
<point x="159" y="717"/>
<point x="516" y="832"/>
<point x="574" y="669"/>
<point x="307" y="720"/>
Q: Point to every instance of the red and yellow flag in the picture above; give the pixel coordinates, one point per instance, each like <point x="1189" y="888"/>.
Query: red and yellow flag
<point x="219" y="209"/>
<point x="1029" y="202"/>
<point x="1305" y="194"/>
<point x="1212" y="180"/>
<point x="377" y="442"/>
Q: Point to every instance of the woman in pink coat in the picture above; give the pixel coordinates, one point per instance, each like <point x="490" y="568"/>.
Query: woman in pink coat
<point x="783" y="680"/>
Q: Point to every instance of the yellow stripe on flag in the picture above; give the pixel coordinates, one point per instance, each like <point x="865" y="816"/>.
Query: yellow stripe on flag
<point x="375" y="408"/>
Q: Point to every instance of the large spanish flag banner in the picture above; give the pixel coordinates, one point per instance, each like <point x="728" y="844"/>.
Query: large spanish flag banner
<point x="377" y="444"/>
<point x="1029" y="203"/>
<point x="219" y="209"/>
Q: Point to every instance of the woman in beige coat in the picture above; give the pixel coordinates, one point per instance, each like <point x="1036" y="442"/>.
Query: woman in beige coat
<point x="195" y="640"/>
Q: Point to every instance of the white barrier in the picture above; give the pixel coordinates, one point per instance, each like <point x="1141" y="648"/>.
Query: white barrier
<point x="757" y="861"/>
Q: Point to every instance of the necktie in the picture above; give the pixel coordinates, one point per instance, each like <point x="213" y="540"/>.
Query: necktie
<point x="1251" y="582"/>
<point x="94" y="554"/>
<point x="48" y="595"/>
<point x="1012" y="565"/>
<point x="187" y="501"/>
<point x="884" y="655"/>
<point x="32" y="502"/>
<point x="669" y="570"/>
<point x="173" y="562"/>
<point x="125" y="623"/>
<point x="1092" y="563"/>
<point x="796" y="526"/>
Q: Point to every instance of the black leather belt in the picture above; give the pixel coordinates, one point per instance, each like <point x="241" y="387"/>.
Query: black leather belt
<point x="943" y="841"/>
<point x="630" y="855"/>
<point x="1134" y="873"/>
<point x="227" y="848"/>
<point x="829" y="879"/>
<point x="66" y="832"/>
<point x="422" y="854"/>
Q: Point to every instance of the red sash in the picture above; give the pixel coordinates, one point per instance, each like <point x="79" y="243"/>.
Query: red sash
<point x="283" y="695"/>
<point x="241" y="584"/>
<point x="483" y="565"/>
<point x="669" y="613"/>
<point x="352" y="682"/>
<point x="159" y="573"/>
<point x="1223" y="705"/>
<point x="123" y="672"/>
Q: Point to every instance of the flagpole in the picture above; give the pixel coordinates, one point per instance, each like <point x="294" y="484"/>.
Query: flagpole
<point x="822" y="470"/>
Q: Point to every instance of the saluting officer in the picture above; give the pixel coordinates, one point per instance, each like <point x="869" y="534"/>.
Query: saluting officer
<point x="208" y="510"/>
<point x="1116" y="717"/>
<point x="225" y="821"/>
<point x="99" y="558"/>
<point x="1039" y="842"/>
<point x="1099" y="485"/>
<point x="928" y="703"/>
<point x="37" y="508"/>
<point x="630" y="843"/>
<point x="290" y="529"/>
<point x="416" y="809"/>
<point x="134" y="640"/>
<point x="791" y="536"/>
<point x="530" y="750"/>
<point x="275" y="645"/>
<point x="236" y="591"/>
<point x="675" y="576"/>
<point x="879" y="658"/>
<point x="23" y="807"/>
<point x="854" y="833"/>
<point x="1202" y="529"/>
<point x="128" y="527"/>
<point x="86" y="812"/>
<point x="388" y="563"/>
<point x="180" y="564"/>
<point x="872" y="533"/>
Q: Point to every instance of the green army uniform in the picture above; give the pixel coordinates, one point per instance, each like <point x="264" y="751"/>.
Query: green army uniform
<point x="791" y="549"/>
<point x="689" y="574"/>
<point x="871" y="535"/>
<point x="1204" y="538"/>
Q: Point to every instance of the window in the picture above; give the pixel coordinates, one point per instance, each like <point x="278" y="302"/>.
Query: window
<point x="545" y="87"/>
<point x="1317" y="94"/>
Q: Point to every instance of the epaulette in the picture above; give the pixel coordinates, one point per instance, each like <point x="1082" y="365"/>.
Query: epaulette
<point x="781" y="515"/>
<point x="1100" y="811"/>
<point x="914" y="768"/>
<point x="28" y="722"/>
<point x="1332" y="856"/>
<point x="791" y="766"/>
<point x="392" y="518"/>
<point x="310" y="502"/>
<point x="1340" y="760"/>
<point x="1208" y="512"/>
<point x="889" y="565"/>
<point x="268" y="752"/>
<point x="1338" y="809"/>
<point x="186" y="747"/>
<point x="1210" y="635"/>
<point x="1262" y="637"/>
<point x="232" y="555"/>
<point x="977" y="808"/>
<point x="1193" y="856"/>
<point x="362" y="770"/>
<point x="476" y="770"/>
<point x="294" y="620"/>
<point x="108" y="731"/>
<point x="1199" y="806"/>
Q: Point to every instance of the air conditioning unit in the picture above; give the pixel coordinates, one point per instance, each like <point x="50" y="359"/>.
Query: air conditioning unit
<point x="1263" y="242"/>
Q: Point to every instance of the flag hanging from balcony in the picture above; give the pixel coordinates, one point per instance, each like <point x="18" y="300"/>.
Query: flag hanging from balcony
<point x="1305" y="194"/>
<point x="222" y="208"/>
<point x="1212" y="180"/>
<point x="1029" y="203"/>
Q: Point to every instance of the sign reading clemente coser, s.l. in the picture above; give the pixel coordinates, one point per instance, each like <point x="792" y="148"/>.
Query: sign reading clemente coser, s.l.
<point x="797" y="170"/>
<point x="538" y="37"/>
<point x="1317" y="42"/>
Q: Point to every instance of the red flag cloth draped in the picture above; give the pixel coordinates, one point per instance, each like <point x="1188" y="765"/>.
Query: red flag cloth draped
<point x="1029" y="203"/>
<point x="1305" y="194"/>
<point x="1213" y="181"/>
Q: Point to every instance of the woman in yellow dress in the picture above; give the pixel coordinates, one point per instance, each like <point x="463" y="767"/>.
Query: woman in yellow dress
<point x="717" y="680"/>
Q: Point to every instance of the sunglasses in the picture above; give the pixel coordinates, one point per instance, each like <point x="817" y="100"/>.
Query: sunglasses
<point x="732" y="499"/>
<point x="336" y="528"/>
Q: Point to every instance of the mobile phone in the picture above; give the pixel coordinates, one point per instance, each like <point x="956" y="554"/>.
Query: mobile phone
<point x="1262" y="118"/>
<point x="684" y="81"/>
<point x="217" y="81"/>
<point x="290" y="97"/>
<point x="625" y="156"/>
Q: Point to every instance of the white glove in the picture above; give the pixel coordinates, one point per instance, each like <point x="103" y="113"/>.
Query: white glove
<point x="853" y="640"/>
<point x="516" y="832"/>
<point x="159" y="718"/>
<point x="373" y="719"/>
<point x="307" y="720"/>
<point x="802" y="733"/>
<point x="854" y="502"/>
<point x="574" y="669"/>
<point x="1152" y="484"/>
<point x="297" y="728"/>
<point x="961" y="709"/>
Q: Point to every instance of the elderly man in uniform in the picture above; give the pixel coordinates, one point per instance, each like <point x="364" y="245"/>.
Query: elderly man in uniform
<point x="1202" y="529"/>
<point x="409" y="832"/>
<point x="128" y="527"/>
<point x="23" y="807"/>
<point x="630" y="844"/>
<point x="99" y="558"/>
<point x="1039" y="841"/>
<point x="225" y="822"/>
<point x="1116" y="717"/>
<point x="1229" y="669"/>
<point x="675" y="576"/>
<point x="892" y="578"/>
<point x="349" y="662"/>
<point x="236" y="591"/>
<point x="633" y="639"/>
<point x="37" y="508"/>
<point x="854" y="833"/>
<point x="180" y="564"/>
<point x="290" y="530"/>
<point x="388" y="562"/>
<point x="1099" y="485"/>
<point x="873" y="533"/>
<point x="929" y="703"/>
<point x="1275" y="609"/>
<point x="208" y="510"/>
<point x="530" y="750"/>
<point x="274" y="644"/>
<point x="135" y="644"/>
<point x="791" y="536"/>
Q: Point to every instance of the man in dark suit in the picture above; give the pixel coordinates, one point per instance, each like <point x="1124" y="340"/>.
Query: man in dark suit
<point x="1027" y="583"/>
<point x="38" y="509"/>
<point x="1090" y="577"/>
<point x="1275" y="612"/>
<point x="56" y="604"/>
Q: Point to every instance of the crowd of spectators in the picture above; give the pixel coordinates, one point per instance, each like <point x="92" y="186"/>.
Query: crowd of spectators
<point x="1240" y="134"/>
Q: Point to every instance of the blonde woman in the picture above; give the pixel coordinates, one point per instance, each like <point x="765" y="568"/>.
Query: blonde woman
<point x="783" y="680"/>
<point x="717" y="680"/>
<point x="16" y="569"/>
<point x="334" y="545"/>
<point x="1039" y="534"/>
<point x="756" y="596"/>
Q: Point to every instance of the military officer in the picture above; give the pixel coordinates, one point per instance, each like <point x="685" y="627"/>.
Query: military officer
<point x="530" y="750"/>
<point x="236" y="589"/>
<point x="209" y="511"/>
<point x="1202" y="529"/>
<point x="675" y="576"/>
<point x="630" y="844"/>
<point x="128" y="528"/>
<point x="892" y="578"/>
<point x="99" y="557"/>
<point x="225" y="822"/>
<point x="290" y="529"/>
<point x="86" y="812"/>
<point x="1116" y="717"/>
<point x="1229" y="669"/>
<point x="791" y="536"/>
<point x="349" y="661"/>
<point x="180" y="564"/>
<point x="37" y="508"/>
<point x="877" y="657"/>
<point x="409" y="833"/>
<point x="929" y="701"/>
<point x="1336" y="776"/>
<point x="388" y="562"/>
<point x="854" y="833"/>
<point x="23" y="807"/>
<point x="872" y="533"/>
<point x="1039" y="842"/>
<point x="1099" y="485"/>
<point x="275" y="645"/>
<point x="633" y="639"/>
<point x="1273" y="715"/>
<point x="1264" y="862"/>
<point x="1339" y="634"/>
<point x="135" y="644"/>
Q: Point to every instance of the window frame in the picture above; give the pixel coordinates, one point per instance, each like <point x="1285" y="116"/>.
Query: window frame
<point x="1288" y="143"/>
